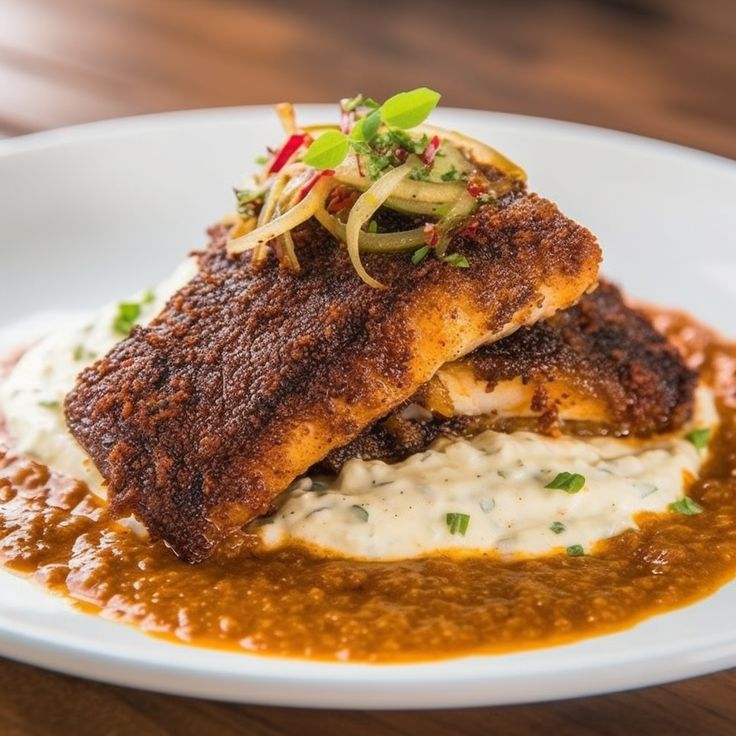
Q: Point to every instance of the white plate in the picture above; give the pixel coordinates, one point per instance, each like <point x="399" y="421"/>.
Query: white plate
<point x="97" y="211"/>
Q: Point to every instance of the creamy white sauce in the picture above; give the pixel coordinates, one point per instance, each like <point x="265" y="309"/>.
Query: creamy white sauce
<point x="373" y="510"/>
<point x="32" y="397"/>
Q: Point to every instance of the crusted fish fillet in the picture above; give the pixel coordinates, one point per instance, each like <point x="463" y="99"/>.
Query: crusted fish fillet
<point x="250" y="376"/>
<point x="599" y="367"/>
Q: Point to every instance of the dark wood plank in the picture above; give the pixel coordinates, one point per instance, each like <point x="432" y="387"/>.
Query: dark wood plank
<point x="663" y="68"/>
<point x="41" y="703"/>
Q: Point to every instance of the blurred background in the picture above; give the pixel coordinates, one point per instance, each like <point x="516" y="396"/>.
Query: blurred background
<point x="662" y="68"/>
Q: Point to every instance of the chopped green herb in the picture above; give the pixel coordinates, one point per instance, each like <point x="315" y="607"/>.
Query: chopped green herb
<point x="557" y="527"/>
<point x="81" y="353"/>
<point x="419" y="255"/>
<point x="409" y="109"/>
<point x="372" y="226"/>
<point x="686" y="506"/>
<point x="128" y="314"/>
<point x="262" y="160"/>
<point x="419" y="173"/>
<point x="575" y="550"/>
<point x="456" y="259"/>
<point x="486" y="199"/>
<point x="148" y="297"/>
<point x="360" y="512"/>
<point x="327" y="151"/>
<point x="457" y="523"/>
<point x="49" y="404"/>
<point x="353" y="103"/>
<point x="247" y="199"/>
<point x="699" y="437"/>
<point x="568" y="482"/>
<point x="376" y="165"/>
<point x="451" y="175"/>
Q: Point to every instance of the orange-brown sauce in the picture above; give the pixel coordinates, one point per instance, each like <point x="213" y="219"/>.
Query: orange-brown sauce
<point x="293" y="603"/>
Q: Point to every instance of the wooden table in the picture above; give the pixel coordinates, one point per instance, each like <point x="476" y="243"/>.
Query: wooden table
<point x="663" y="68"/>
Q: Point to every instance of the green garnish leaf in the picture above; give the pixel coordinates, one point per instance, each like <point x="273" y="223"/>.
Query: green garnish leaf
<point x="128" y="314"/>
<point x="409" y="109"/>
<point x="557" y="527"/>
<point x="360" y="512"/>
<point x="366" y="128"/>
<point x="80" y="353"/>
<point x="148" y="297"/>
<point x="575" y="550"/>
<point x="262" y="160"/>
<point x="486" y="198"/>
<point x="353" y="103"/>
<point x="419" y="173"/>
<point x="49" y="404"/>
<point x="328" y="151"/>
<point x="568" y="482"/>
<point x="457" y="523"/>
<point x="419" y="255"/>
<point x="686" y="506"/>
<point x="699" y="437"/>
<point x="451" y="175"/>
<point x="456" y="259"/>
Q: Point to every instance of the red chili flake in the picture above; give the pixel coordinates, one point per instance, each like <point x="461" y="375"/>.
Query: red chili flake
<point x="401" y="154"/>
<point x="471" y="229"/>
<point x="431" y="150"/>
<point x="287" y="151"/>
<point x="477" y="186"/>
<point x="431" y="236"/>
<point x="343" y="199"/>
<point x="310" y="184"/>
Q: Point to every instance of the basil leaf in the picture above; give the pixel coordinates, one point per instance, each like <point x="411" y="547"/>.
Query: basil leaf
<point x="328" y="151"/>
<point x="557" y="527"/>
<point x="575" y="550"/>
<point x="409" y="109"/>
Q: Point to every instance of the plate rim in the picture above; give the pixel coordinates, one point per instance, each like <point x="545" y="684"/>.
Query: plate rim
<point x="332" y="689"/>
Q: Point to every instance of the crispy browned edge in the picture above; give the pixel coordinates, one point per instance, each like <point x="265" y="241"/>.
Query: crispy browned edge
<point x="248" y="377"/>
<point x="601" y="348"/>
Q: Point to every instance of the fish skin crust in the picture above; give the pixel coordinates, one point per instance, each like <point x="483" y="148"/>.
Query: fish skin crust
<point x="599" y="367"/>
<point x="250" y="376"/>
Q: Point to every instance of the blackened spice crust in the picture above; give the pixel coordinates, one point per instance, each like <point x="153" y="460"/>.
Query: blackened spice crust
<point x="601" y="348"/>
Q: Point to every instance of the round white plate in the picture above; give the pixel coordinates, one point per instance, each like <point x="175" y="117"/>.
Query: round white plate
<point x="92" y="213"/>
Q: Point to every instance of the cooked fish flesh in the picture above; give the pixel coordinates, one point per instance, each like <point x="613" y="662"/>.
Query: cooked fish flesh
<point x="599" y="367"/>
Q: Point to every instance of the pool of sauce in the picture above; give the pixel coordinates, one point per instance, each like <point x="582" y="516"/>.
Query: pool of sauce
<point x="296" y="604"/>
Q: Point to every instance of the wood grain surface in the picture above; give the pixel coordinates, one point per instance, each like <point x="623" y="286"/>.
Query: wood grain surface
<point x="662" y="68"/>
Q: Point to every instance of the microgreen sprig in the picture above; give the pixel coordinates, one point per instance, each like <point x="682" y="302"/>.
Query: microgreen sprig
<point x="399" y="113"/>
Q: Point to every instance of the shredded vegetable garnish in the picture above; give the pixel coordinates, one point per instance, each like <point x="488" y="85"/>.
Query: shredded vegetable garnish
<point x="379" y="157"/>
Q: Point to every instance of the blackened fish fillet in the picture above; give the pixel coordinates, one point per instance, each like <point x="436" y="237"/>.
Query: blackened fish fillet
<point x="249" y="377"/>
<point x="599" y="367"/>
